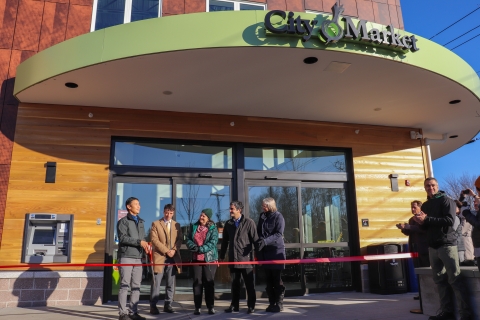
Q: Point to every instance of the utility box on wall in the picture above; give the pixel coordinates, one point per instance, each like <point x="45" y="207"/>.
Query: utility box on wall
<point x="47" y="238"/>
<point x="386" y="276"/>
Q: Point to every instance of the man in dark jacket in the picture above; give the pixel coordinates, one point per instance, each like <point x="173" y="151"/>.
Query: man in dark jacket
<point x="239" y="235"/>
<point x="474" y="219"/>
<point x="437" y="218"/>
<point x="131" y="246"/>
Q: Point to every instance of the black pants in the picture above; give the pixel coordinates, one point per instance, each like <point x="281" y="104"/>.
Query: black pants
<point x="273" y="279"/>
<point x="203" y="278"/>
<point x="247" y="275"/>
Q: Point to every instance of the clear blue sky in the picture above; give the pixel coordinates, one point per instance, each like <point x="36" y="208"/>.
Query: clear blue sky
<point x="428" y="17"/>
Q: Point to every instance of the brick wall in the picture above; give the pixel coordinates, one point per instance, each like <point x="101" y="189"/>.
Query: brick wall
<point x="27" y="27"/>
<point x="50" y="288"/>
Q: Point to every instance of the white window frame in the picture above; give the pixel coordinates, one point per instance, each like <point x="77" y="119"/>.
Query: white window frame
<point x="127" y="15"/>
<point x="236" y="4"/>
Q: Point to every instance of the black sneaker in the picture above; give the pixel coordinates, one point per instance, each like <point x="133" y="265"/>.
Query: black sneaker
<point x="211" y="311"/>
<point x="443" y="316"/>
<point x="231" y="309"/>
<point x="197" y="311"/>
<point x="269" y="308"/>
<point x="124" y="317"/>
<point x="250" y="310"/>
<point x="136" y="316"/>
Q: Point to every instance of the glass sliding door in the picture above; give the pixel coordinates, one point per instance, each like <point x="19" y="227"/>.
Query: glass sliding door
<point x="153" y="195"/>
<point x="191" y="197"/>
<point x="286" y="195"/>
<point x="325" y="235"/>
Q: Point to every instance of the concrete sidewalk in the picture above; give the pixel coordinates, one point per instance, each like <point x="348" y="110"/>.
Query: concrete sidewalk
<point x="325" y="306"/>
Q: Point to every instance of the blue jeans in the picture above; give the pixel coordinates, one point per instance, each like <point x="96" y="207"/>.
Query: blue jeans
<point x="446" y="275"/>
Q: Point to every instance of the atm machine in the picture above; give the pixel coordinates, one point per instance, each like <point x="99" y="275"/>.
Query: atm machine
<point x="47" y="238"/>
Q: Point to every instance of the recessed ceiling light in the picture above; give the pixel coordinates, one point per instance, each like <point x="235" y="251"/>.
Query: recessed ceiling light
<point x="71" y="85"/>
<point x="455" y="101"/>
<point x="337" y="67"/>
<point x="377" y="109"/>
<point x="453" y="137"/>
<point x="167" y="93"/>
<point x="310" y="60"/>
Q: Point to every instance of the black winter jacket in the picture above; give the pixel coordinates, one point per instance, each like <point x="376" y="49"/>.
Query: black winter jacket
<point x="270" y="229"/>
<point x="129" y="237"/>
<point x="440" y="212"/>
<point x="239" y="242"/>
<point x="474" y="220"/>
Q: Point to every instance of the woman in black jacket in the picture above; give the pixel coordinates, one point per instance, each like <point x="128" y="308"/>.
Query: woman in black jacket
<point x="271" y="246"/>
<point x="202" y="241"/>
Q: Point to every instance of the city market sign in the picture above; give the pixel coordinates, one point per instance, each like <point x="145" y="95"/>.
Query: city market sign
<point x="330" y="31"/>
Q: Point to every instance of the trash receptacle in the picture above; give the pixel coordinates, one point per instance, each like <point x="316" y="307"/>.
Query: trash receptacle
<point x="386" y="276"/>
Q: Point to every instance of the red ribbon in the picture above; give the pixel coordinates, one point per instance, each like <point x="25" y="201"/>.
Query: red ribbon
<point x="290" y="261"/>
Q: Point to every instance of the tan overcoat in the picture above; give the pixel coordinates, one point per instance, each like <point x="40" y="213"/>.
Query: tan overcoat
<point x="162" y="242"/>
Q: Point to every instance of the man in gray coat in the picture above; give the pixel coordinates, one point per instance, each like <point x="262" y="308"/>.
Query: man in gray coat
<point x="131" y="246"/>
<point x="239" y="235"/>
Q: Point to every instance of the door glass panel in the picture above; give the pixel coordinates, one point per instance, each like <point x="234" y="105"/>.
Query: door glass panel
<point x="328" y="275"/>
<point x="324" y="214"/>
<point x="274" y="159"/>
<point x="152" y="198"/>
<point x="191" y="199"/>
<point x="286" y="198"/>
<point x="172" y="155"/>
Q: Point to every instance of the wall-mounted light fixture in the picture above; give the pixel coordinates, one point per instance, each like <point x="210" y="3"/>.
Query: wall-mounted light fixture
<point x="394" y="182"/>
<point x="51" y="172"/>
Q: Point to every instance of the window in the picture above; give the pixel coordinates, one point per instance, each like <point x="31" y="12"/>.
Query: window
<point x="225" y="5"/>
<point x="108" y="13"/>
<point x="172" y="155"/>
<point x="279" y="159"/>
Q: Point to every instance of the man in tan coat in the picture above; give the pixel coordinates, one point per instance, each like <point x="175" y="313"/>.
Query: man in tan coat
<point x="166" y="237"/>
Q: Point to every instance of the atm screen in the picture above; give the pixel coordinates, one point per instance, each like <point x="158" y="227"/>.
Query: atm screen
<point x="44" y="236"/>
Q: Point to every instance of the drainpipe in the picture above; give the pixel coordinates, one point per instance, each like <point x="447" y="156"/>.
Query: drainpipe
<point x="427" y="142"/>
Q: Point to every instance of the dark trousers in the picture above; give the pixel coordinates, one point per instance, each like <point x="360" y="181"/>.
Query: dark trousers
<point x="247" y="275"/>
<point x="203" y="278"/>
<point x="273" y="280"/>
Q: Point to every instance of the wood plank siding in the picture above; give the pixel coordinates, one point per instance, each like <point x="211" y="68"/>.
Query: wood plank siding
<point x="81" y="147"/>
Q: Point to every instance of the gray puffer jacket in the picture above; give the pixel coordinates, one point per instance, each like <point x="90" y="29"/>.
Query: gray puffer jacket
<point x="130" y="235"/>
<point x="474" y="220"/>
<point x="239" y="241"/>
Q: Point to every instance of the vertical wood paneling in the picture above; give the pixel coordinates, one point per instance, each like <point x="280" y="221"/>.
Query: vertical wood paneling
<point x="29" y="22"/>
<point x="365" y="10"/>
<point x="295" y="5"/>
<point x="53" y="25"/>
<point x="192" y="6"/>
<point x="276" y="5"/>
<point x="79" y="19"/>
<point x="394" y="16"/>
<point x="172" y="7"/>
<point x="382" y="15"/>
<point x="8" y="17"/>
<point x="350" y="7"/>
<point x="315" y="5"/>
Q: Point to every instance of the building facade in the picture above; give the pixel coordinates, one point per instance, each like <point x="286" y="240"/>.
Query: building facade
<point x="321" y="105"/>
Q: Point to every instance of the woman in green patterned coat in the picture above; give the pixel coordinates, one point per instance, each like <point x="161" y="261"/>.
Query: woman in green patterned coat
<point x="202" y="241"/>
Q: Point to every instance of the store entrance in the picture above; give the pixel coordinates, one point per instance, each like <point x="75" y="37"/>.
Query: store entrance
<point x="316" y="226"/>
<point x="189" y="196"/>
